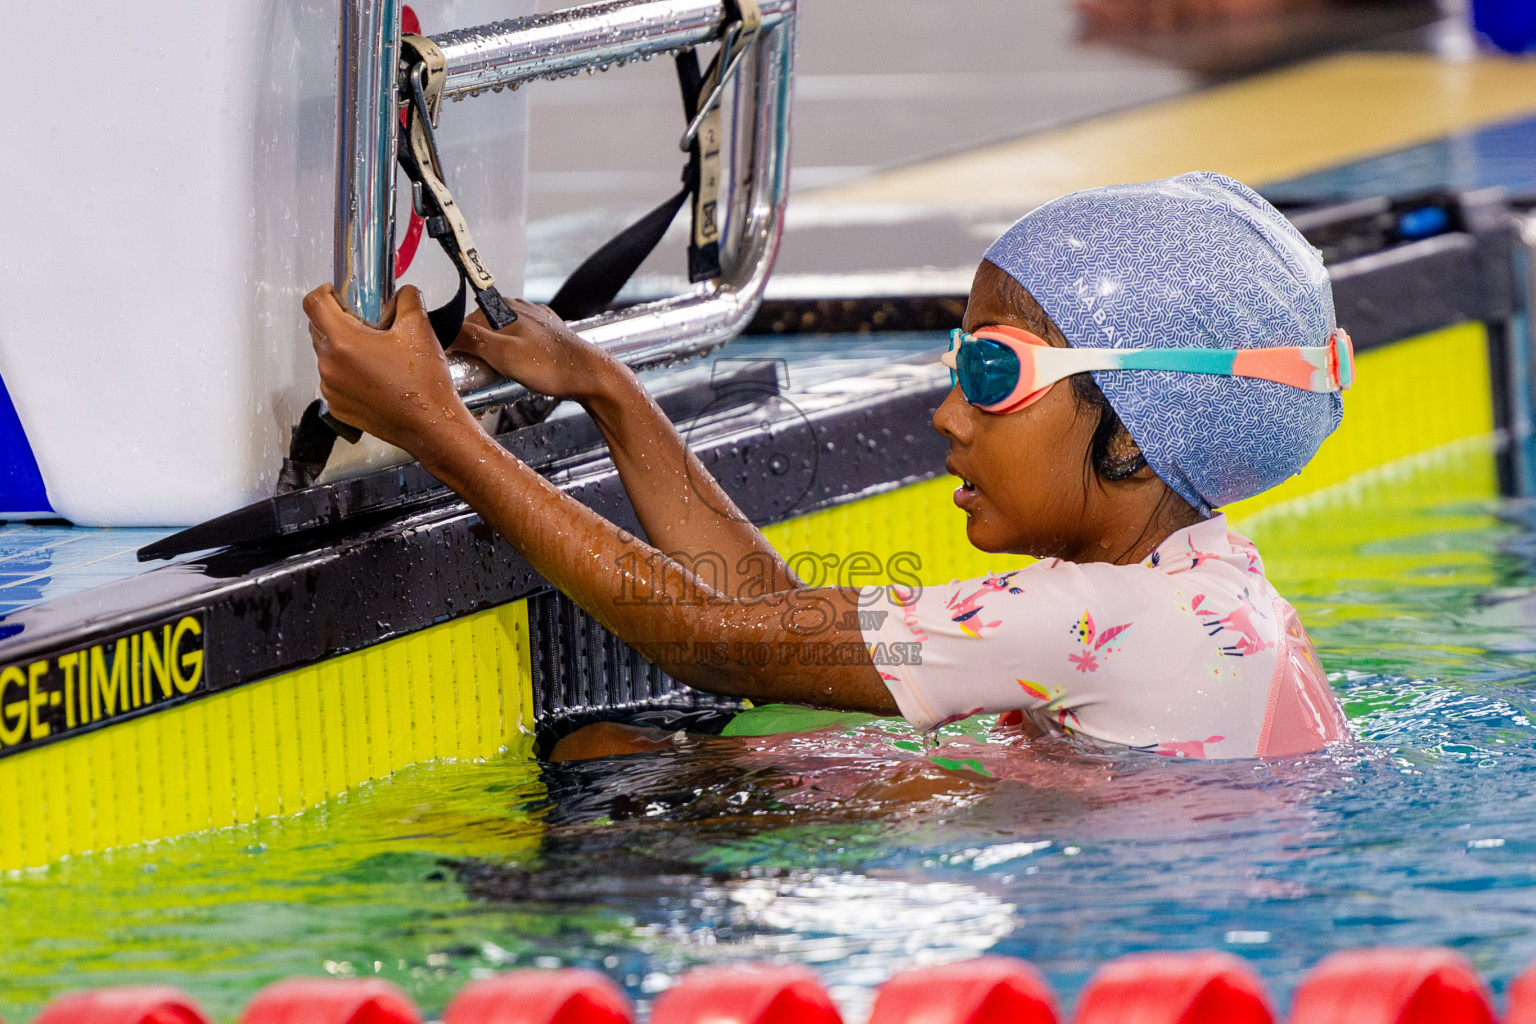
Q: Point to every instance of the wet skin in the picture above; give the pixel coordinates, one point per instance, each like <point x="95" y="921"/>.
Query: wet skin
<point x="1032" y="495"/>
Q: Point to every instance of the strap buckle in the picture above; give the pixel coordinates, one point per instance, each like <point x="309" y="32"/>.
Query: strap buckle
<point x="423" y="71"/>
<point x="1341" y="359"/>
<point x="592" y="286"/>
<point x="739" y="38"/>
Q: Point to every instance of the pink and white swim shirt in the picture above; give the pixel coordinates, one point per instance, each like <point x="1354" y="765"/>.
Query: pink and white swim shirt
<point x="1190" y="653"/>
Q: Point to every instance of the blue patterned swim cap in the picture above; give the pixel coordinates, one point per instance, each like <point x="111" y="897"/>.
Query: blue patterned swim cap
<point x="1196" y="261"/>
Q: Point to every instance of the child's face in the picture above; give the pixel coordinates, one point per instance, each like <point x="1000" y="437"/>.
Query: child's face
<point x="1031" y="486"/>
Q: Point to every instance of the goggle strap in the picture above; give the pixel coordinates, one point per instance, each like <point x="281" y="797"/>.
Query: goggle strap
<point x="1304" y="368"/>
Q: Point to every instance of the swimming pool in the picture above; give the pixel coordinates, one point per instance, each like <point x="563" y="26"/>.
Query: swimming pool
<point x="1418" y="590"/>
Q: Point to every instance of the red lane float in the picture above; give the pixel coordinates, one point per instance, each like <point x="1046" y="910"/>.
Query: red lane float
<point x="1373" y="986"/>
<point x="746" y="995"/>
<point x="1392" y="986"/>
<point x="1522" y="998"/>
<point x="989" y="990"/>
<point x="1175" y="988"/>
<point x="134" y="1004"/>
<point x="331" y="1001"/>
<point x="570" y="996"/>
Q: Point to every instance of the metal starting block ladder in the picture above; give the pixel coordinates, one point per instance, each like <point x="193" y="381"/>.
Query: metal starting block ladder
<point x="754" y="150"/>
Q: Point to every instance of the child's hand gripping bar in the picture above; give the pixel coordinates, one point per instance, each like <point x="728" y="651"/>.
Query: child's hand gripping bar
<point x="422" y="71"/>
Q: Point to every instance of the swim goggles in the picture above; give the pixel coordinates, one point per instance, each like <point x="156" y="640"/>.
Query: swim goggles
<point x="1003" y="369"/>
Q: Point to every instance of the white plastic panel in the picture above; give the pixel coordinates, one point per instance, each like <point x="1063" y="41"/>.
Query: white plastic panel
<point x="170" y="191"/>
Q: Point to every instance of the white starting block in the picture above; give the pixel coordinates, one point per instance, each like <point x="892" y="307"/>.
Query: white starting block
<point x="172" y="191"/>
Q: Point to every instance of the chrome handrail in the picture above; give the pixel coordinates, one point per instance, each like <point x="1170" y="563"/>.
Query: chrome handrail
<point x="556" y="44"/>
<point x="366" y="113"/>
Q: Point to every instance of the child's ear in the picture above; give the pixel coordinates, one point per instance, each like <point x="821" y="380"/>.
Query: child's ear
<point x="1123" y="459"/>
<point x="1123" y="448"/>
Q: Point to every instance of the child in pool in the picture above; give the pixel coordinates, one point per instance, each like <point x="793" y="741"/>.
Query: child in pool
<point x="1146" y="623"/>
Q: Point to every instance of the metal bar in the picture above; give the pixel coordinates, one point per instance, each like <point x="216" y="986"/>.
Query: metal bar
<point x="559" y="43"/>
<point x="366" y="111"/>
<point x="696" y="322"/>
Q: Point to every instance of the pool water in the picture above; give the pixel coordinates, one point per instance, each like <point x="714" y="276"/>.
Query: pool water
<point x="852" y="851"/>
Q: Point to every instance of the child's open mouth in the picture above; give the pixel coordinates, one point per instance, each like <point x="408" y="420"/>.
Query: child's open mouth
<point x="966" y="493"/>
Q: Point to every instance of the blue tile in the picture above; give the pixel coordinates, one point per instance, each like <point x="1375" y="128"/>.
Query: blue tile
<point x="44" y="563"/>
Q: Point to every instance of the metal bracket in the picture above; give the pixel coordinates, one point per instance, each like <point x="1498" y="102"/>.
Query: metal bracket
<point x="422" y="71"/>
<point x="507" y="54"/>
<point x="738" y="40"/>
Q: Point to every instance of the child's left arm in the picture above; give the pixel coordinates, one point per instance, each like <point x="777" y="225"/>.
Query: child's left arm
<point x="680" y="505"/>
<point x="394" y="384"/>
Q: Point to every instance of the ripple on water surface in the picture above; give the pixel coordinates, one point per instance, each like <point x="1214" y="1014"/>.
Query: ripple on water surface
<point x="852" y="851"/>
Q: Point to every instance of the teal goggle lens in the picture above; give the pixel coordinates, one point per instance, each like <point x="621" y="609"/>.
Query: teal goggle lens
<point x="986" y="371"/>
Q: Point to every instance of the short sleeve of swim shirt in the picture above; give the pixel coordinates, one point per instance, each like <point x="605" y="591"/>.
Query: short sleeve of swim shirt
<point x="1190" y="653"/>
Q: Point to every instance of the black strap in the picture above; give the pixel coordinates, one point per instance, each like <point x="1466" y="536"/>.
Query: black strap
<point x="593" y="285"/>
<point x="591" y="288"/>
<point x="448" y="318"/>
<point x="690" y="82"/>
<point x="308" y="450"/>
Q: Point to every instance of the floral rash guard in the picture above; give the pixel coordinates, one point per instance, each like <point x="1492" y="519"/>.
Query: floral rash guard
<point x="1190" y="653"/>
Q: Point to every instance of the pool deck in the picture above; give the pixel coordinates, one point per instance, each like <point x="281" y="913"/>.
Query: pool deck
<point x="1262" y="130"/>
<point x="1414" y="122"/>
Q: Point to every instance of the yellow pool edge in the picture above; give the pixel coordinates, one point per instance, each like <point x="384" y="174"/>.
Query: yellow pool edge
<point x="461" y="689"/>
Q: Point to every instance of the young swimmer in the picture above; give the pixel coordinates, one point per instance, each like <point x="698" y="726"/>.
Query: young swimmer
<point x="1146" y="623"/>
